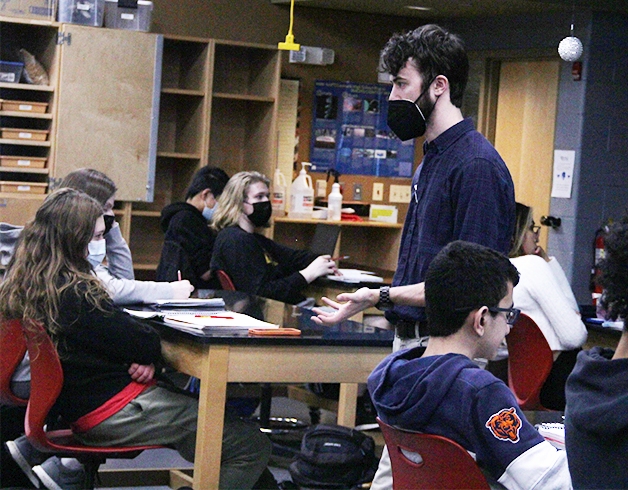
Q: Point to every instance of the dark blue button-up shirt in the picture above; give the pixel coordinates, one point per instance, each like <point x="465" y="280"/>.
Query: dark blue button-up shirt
<point x="461" y="191"/>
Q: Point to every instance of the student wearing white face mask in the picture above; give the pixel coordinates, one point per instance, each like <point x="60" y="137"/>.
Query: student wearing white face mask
<point x="189" y="241"/>
<point x="117" y="274"/>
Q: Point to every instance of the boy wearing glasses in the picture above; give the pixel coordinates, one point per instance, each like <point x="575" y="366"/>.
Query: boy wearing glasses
<point x="439" y="390"/>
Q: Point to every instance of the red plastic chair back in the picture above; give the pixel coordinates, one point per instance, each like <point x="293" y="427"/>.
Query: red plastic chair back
<point x="46" y="384"/>
<point x="427" y="461"/>
<point x="13" y="345"/>
<point x="225" y="281"/>
<point x="530" y="361"/>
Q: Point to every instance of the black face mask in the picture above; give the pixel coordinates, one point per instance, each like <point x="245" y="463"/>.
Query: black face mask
<point x="262" y="212"/>
<point x="108" y="222"/>
<point x="406" y="119"/>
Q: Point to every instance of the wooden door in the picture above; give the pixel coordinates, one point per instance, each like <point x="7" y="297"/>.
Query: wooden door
<point x="108" y="100"/>
<point x="524" y="129"/>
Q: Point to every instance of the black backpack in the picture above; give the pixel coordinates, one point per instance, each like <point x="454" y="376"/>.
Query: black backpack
<point x="333" y="456"/>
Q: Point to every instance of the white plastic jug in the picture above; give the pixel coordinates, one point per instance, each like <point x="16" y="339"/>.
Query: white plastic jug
<point x="278" y="198"/>
<point x="302" y="195"/>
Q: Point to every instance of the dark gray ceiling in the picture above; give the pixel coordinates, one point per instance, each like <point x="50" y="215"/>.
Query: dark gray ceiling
<point x="461" y="8"/>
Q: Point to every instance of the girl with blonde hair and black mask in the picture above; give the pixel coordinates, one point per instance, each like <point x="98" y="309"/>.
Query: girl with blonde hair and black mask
<point x="256" y="264"/>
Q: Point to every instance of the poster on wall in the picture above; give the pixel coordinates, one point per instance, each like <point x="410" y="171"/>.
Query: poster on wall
<point x="350" y="134"/>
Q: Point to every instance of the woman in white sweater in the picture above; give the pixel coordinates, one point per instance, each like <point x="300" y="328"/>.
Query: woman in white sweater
<point x="544" y="294"/>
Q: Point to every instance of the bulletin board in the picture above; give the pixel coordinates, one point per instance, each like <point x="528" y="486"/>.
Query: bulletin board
<point x="350" y="133"/>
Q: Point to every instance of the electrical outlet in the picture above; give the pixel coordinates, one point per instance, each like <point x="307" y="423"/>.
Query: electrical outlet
<point x="321" y="188"/>
<point x="400" y="193"/>
<point x="357" y="192"/>
<point x="378" y="191"/>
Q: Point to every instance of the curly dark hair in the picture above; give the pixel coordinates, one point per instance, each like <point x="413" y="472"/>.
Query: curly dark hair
<point x="434" y="52"/>
<point x="614" y="268"/>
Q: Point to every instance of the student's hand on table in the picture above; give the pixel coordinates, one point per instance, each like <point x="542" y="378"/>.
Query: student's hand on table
<point x="354" y="303"/>
<point x="141" y="373"/>
<point x="181" y="289"/>
<point x="320" y="266"/>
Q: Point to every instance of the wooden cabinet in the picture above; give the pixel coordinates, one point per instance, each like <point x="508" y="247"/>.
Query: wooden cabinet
<point x="148" y="110"/>
<point x="101" y="110"/>
<point x="218" y="107"/>
<point x="367" y="243"/>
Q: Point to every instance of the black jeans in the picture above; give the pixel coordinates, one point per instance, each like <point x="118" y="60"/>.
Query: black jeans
<point x="553" y="392"/>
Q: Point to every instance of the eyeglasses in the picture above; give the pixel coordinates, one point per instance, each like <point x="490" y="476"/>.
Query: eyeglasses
<point x="512" y="314"/>
<point x="535" y="229"/>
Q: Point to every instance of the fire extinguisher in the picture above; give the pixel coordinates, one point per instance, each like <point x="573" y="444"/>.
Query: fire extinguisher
<point x="599" y="254"/>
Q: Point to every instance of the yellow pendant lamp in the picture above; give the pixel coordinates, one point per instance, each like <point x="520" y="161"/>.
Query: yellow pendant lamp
<point x="290" y="44"/>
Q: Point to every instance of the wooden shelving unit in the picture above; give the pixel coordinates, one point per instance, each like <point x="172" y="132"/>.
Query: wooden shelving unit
<point x="39" y="39"/>
<point x="218" y="107"/>
<point x="360" y="240"/>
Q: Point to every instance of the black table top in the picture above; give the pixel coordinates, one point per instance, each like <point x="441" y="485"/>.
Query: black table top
<point x="345" y="333"/>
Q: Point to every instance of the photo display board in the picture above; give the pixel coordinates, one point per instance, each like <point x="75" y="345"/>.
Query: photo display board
<point x="350" y="133"/>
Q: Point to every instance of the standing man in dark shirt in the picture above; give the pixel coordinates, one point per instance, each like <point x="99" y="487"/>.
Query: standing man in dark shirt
<point x="462" y="190"/>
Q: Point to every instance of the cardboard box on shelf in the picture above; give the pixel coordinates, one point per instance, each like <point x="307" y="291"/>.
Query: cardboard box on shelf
<point x="32" y="9"/>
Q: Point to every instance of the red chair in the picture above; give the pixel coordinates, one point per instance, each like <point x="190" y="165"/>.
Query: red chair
<point x="46" y="383"/>
<point x="426" y="461"/>
<point x="13" y="349"/>
<point x="530" y="361"/>
<point x="225" y="281"/>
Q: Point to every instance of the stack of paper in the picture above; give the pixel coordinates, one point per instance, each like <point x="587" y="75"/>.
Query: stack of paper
<point x="554" y="433"/>
<point x="354" y="276"/>
<point x="206" y="321"/>
<point x="210" y="303"/>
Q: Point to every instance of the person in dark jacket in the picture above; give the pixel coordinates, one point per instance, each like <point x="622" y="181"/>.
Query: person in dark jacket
<point x="189" y="241"/>
<point x="440" y="390"/>
<point x="596" y="416"/>
<point x="256" y="264"/>
<point x="109" y="395"/>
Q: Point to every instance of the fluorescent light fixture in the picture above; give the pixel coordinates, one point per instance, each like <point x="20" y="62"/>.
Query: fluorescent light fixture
<point x="417" y="7"/>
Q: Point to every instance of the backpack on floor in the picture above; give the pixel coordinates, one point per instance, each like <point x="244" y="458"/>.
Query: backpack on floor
<point x="333" y="456"/>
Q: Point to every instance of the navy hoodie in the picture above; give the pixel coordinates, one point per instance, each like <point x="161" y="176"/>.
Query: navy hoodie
<point x="596" y="420"/>
<point x="450" y="396"/>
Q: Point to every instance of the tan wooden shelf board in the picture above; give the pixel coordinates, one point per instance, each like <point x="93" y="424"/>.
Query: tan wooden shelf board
<point x="148" y="214"/>
<point x="26" y="115"/>
<point x="249" y="97"/>
<point x="27" y="86"/>
<point x="21" y="195"/>
<point x="24" y="170"/>
<point x="366" y="222"/>
<point x="145" y="266"/>
<point x="23" y="20"/>
<point x="174" y="154"/>
<point x="182" y="91"/>
<point x="24" y="142"/>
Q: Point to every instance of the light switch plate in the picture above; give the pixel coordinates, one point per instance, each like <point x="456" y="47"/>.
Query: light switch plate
<point x="400" y="193"/>
<point x="321" y="188"/>
<point x="378" y="191"/>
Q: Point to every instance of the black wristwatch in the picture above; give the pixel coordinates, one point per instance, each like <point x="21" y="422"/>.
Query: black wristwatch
<point x="384" y="302"/>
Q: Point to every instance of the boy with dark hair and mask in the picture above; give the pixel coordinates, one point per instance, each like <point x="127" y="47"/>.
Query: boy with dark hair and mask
<point x="189" y="240"/>
<point x="440" y="390"/>
<point x="462" y="190"/>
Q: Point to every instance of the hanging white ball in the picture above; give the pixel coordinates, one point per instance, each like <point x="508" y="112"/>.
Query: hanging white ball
<point x="570" y="48"/>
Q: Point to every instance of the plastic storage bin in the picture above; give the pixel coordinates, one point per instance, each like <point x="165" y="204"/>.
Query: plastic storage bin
<point x="85" y="12"/>
<point x="11" y="71"/>
<point x="132" y="15"/>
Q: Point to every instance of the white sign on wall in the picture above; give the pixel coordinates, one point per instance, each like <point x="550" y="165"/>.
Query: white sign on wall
<point x="562" y="177"/>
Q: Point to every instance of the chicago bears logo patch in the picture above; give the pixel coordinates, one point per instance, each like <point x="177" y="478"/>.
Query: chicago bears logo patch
<point x="505" y="425"/>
